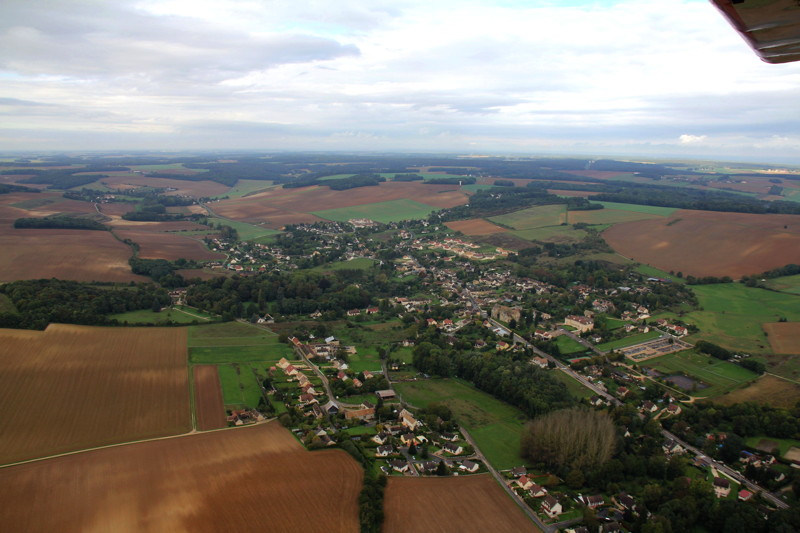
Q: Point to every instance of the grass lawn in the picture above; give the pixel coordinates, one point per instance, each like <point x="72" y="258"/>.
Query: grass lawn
<point x="366" y="359"/>
<point x="720" y="376"/>
<point x="404" y="353"/>
<point x="146" y="316"/>
<point x="790" y="284"/>
<point x="240" y="387"/>
<point x="247" y="232"/>
<point x="573" y="386"/>
<point x="359" y="263"/>
<point x="629" y="341"/>
<point x="385" y="212"/>
<point x="239" y="354"/>
<point x="567" y="345"/>
<point x="495" y="425"/>
<point x="533" y="217"/>
<point x="649" y="209"/>
<point x="783" y="444"/>
<point x="732" y="315"/>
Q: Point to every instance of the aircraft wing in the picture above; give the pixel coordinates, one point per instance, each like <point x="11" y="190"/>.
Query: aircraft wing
<point x="771" y="27"/>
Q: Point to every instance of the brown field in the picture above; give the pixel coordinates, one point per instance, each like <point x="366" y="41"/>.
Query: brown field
<point x="49" y="204"/>
<point x="81" y="255"/>
<point x="475" y="226"/>
<point x="169" y="246"/>
<point x="189" y="188"/>
<point x="784" y="337"/>
<point x="466" y="503"/>
<point x="76" y="387"/>
<point x="766" y="390"/>
<point x="277" y="207"/>
<point x="208" y="398"/>
<point x="246" y="479"/>
<point x="705" y="243"/>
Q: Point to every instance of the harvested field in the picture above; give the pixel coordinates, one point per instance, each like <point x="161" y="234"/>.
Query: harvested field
<point x="466" y="503"/>
<point x="278" y="207"/>
<point x="784" y="337"/>
<point x="169" y="246"/>
<point x="248" y="479"/>
<point x="80" y="255"/>
<point x="208" y="398"/>
<point x="766" y="390"/>
<point x="476" y="226"/>
<point x="76" y="387"/>
<point x="704" y="243"/>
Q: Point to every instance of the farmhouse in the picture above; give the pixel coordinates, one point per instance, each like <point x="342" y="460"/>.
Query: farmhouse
<point x="361" y="414"/>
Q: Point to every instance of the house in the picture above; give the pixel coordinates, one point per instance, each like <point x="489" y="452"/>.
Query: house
<point x="611" y="527"/>
<point x="330" y="408"/>
<point x="537" y="491"/>
<point x="290" y="370"/>
<point x="469" y="466"/>
<point x="674" y="409"/>
<point x="455" y="449"/>
<point x="541" y="362"/>
<point x="671" y="446"/>
<point x="580" y="323"/>
<point x="307" y="398"/>
<point x="354" y="312"/>
<point x="627" y="502"/>
<point x="592" y="502"/>
<point x="361" y="414"/>
<point x="649" y="407"/>
<point x="450" y="437"/>
<point x="501" y="346"/>
<point x="408" y="439"/>
<point x="622" y="392"/>
<point x="408" y="420"/>
<point x="745" y="495"/>
<point x="518" y="471"/>
<point x="722" y="487"/>
<point x="430" y="466"/>
<point x="385" y="450"/>
<point x="551" y="507"/>
<point x="524" y="482"/>
<point x="399" y="465"/>
<point x="367" y="375"/>
<point x="597" y="401"/>
<point x="387" y="394"/>
<point x="381" y="438"/>
<point x="357" y="383"/>
<point x="283" y="363"/>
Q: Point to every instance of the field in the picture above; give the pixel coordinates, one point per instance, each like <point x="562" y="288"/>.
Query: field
<point x="208" y="398"/>
<point x="766" y="390"/>
<point x="609" y="216"/>
<point x="790" y="284"/>
<point x="246" y="480"/>
<point x="556" y="234"/>
<point x="533" y="217"/>
<point x="719" y="376"/>
<point x="246" y="232"/>
<point x="385" y="212"/>
<point x="196" y="189"/>
<point x="495" y="425"/>
<point x="358" y="263"/>
<point x="573" y="386"/>
<point x="277" y="207"/>
<point x="732" y="315"/>
<point x="241" y="386"/>
<point x="628" y="341"/>
<point x="784" y="337"/>
<point x="77" y="387"/>
<point x="146" y="316"/>
<point x="245" y="187"/>
<point x="169" y="246"/>
<point x="704" y="243"/>
<point x="567" y="345"/>
<point x="472" y="503"/>
<point x="80" y="255"/>
<point x="768" y="444"/>
<point x="475" y="226"/>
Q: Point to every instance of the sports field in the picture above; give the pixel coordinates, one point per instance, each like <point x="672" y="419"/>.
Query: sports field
<point x="719" y="376"/>
<point x="495" y="425"/>
<point x="392" y="211"/>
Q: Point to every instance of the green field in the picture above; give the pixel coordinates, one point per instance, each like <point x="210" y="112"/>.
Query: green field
<point x="495" y="425"/>
<point x="732" y="315"/>
<point x="33" y="203"/>
<point x="628" y="341"/>
<point x="720" y="376"/>
<point x="245" y="187"/>
<point x="225" y="330"/>
<point x="146" y="316"/>
<point x="608" y="216"/>
<point x="359" y="263"/>
<point x="649" y="209"/>
<point x="575" y="389"/>
<point x="790" y="284"/>
<point x="385" y="212"/>
<point x="247" y="232"/>
<point x="533" y="217"/>
<point x="235" y="342"/>
<point x="567" y="345"/>
<point x="557" y="234"/>
<point x="240" y="387"/>
<point x="783" y="444"/>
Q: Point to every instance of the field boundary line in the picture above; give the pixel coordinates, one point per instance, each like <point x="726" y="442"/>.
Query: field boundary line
<point x="781" y="377"/>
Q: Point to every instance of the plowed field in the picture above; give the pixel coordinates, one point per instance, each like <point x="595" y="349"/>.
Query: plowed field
<point x="466" y="503"/>
<point x="705" y="243"/>
<point x="250" y="479"/>
<point x="76" y="387"/>
<point x="475" y="226"/>
<point x="278" y="207"/>
<point x="208" y="398"/>
<point x="81" y="255"/>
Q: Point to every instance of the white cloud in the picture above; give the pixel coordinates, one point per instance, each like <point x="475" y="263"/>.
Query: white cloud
<point x="692" y="139"/>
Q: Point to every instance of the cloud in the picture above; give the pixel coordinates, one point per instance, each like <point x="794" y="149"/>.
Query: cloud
<point x="692" y="139"/>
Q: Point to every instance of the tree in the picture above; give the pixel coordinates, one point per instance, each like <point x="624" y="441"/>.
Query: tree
<point x="442" y="470"/>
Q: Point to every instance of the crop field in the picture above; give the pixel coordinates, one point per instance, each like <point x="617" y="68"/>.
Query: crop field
<point x="196" y="189"/>
<point x="766" y="390"/>
<point x="76" y="387"/>
<point x="391" y="211"/>
<point x="495" y="425"/>
<point x="475" y="226"/>
<point x="733" y="315"/>
<point x="278" y="207"/>
<point x="790" y="284"/>
<point x="208" y="403"/>
<point x="719" y="376"/>
<point x="245" y="187"/>
<point x="638" y="208"/>
<point x="608" y="216"/>
<point x="704" y="243"/>
<point x="246" y="480"/>
<point x="533" y="217"/>
<point x="247" y="232"/>
<point x="556" y="234"/>
<point x="146" y="316"/>
<point x="80" y="255"/>
<point x="239" y="353"/>
<point x="169" y="246"/>
<point x="466" y="503"/>
<point x="784" y="337"/>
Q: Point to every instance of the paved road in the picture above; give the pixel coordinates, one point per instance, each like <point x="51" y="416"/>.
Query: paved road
<point x="500" y="479"/>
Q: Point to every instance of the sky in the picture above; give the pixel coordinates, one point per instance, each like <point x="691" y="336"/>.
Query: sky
<point x="637" y="78"/>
